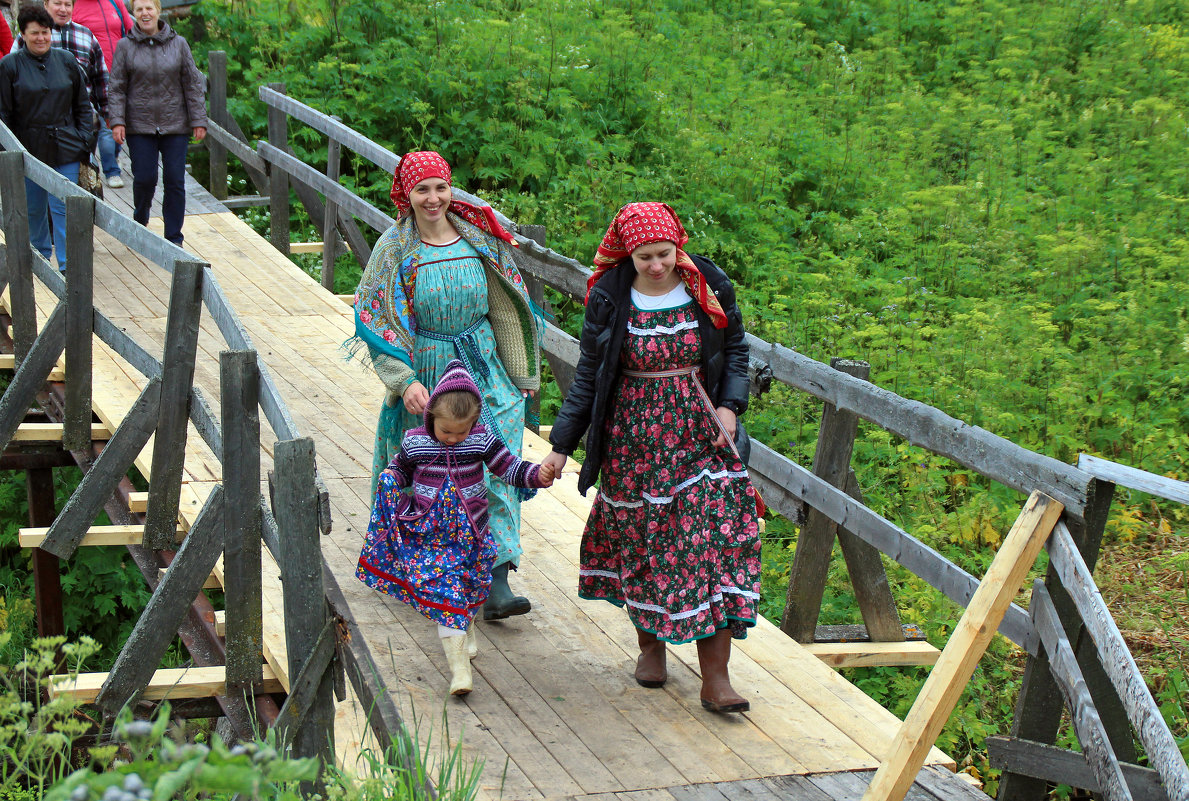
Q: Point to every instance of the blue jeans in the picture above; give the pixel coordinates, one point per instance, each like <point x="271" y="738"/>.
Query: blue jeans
<point x="143" y="150"/>
<point x="36" y="200"/>
<point x="108" y="151"/>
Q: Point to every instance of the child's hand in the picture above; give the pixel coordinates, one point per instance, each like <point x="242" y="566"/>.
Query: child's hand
<point x="546" y="475"/>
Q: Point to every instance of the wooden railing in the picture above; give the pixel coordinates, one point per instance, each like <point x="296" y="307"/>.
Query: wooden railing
<point x="1094" y="675"/>
<point x="235" y="519"/>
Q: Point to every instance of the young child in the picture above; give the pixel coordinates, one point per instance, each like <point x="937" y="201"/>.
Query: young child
<point x="429" y="545"/>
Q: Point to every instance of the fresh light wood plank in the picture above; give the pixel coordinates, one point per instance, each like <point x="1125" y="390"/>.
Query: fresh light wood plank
<point x="306" y="247"/>
<point x="8" y="362"/>
<point x="171" y="683"/>
<point x="966" y="646"/>
<point x="96" y="535"/>
<point x="872" y="654"/>
<point x="213" y="581"/>
<point x="52" y="432"/>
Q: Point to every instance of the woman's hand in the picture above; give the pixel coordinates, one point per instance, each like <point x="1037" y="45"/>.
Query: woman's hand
<point x="199" y="133"/>
<point x="528" y="393"/>
<point x="555" y="462"/>
<point x="117" y="133"/>
<point x="729" y="422"/>
<point x="415" y="397"/>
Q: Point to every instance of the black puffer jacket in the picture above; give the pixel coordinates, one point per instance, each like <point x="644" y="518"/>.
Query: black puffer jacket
<point x="44" y="100"/>
<point x="724" y="361"/>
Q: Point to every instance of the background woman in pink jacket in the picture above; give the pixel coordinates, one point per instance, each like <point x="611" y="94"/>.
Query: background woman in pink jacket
<point x="109" y="20"/>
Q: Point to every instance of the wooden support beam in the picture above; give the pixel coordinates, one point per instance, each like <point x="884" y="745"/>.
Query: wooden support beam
<point x="305" y="686"/>
<point x="31" y="375"/>
<point x="168" y="684"/>
<point x="306" y="247"/>
<point x="869" y="579"/>
<point x="211" y="582"/>
<point x="330" y="235"/>
<point x="96" y="535"/>
<point x="177" y="375"/>
<point x="1162" y="749"/>
<point x="958" y="660"/>
<point x="111" y="466"/>
<point x="8" y="362"/>
<point x="278" y="180"/>
<point x="1086" y="723"/>
<point x="54" y="432"/>
<point x="216" y="69"/>
<point x="1050" y="763"/>
<point x="1134" y="478"/>
<point x="246" y="201"/>
<point x="15" y="222"/>
<point x="873" y="654"/>
<point x="47" y="570"/>
<point x="80" y="321"/>
<point x="239" y="379"/>
<point x="168" y="606"/>
<point x="295" y="505"/>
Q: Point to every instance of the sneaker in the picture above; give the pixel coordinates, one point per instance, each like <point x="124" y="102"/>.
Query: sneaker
<point x="115" y="182"/>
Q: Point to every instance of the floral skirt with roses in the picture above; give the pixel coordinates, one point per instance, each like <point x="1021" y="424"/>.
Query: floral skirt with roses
<point x="673" y="534"/>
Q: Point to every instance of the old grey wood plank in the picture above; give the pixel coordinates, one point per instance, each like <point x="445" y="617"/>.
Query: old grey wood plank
<point x="930" y="428"/>
<point x="239" y="381"/>
<point x="177" y="376"/>
<point x="304" y="173"/>
<point x="698" y="792"/>
<point x="96" y="487"/>
<point x="15" y="222"/>
<point x="246" y="201"/>
<point x="869" y="579"/>
<point x="31" y="374"/>
<point x="295" y="506"/>
<point x="168" y="606"/>
<point x="242" y="151"/>
<point x="1163" y="753"/>
<point x="795" y="788"/>
<point x="278" y="181"/>
<point x="1057" y="765"/>
<point x="784" y="482"/>
<point x="948" y="786"/>
<point x="815" y="544"/>
<point x="330" y="237"/>
<point x="1134" y="478"/>
<point x="216" y="61"/>
<point x="303" y="690"/>
<point x="1091" y="733"/>
<point x="80" y="318"/>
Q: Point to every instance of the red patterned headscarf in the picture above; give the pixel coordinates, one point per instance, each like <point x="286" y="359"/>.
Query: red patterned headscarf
<point x="639" y="224"/>
<point x="423" y="164"/>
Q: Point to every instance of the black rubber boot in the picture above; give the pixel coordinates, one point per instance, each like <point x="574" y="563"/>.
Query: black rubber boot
<point x="502" y="603"/>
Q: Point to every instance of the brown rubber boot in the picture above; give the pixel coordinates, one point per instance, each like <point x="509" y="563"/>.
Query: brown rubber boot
<point x="650" y="665"/>
<point x="717" y="693"/>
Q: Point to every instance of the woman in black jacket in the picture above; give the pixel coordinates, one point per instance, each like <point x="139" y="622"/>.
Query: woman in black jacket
<point x="662" y="375"/>
<point x="44" y="100"/>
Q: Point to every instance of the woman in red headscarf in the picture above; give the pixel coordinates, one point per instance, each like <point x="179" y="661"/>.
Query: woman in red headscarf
<point x="673" y="533"/>
<point x="441" y="285"/>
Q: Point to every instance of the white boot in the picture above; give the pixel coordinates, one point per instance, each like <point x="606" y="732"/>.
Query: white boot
<point x="460" y="664"/>
<point x="472" y="641"/>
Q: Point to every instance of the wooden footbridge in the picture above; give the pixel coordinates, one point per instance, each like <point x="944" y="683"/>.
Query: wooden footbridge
<point x="215" y="372"/>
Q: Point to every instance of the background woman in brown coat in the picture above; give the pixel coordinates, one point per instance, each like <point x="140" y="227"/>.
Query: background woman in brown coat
<point x="156" y="101"/>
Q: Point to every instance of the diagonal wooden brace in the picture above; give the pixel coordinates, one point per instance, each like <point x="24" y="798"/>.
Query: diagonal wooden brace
<point x="166" y="609"/>
<point x="303" y="690"/>
<point x="32" y="373"/>
<point x="112" y="465"/>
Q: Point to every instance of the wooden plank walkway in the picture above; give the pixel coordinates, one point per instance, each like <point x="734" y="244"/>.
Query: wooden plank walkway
<point x="555" y="712"/>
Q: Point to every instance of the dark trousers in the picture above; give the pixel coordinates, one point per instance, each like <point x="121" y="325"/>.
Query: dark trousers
<point x="143" y="151"/>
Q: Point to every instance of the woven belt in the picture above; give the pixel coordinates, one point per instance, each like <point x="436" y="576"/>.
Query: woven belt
<point x="465" y="345"/>
<point x="692" y="373"/>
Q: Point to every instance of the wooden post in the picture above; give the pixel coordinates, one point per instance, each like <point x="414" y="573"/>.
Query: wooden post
<point x="166" y="609"/>
<point x="278" y="181"/>
<point x="92" y="493"/>
<point x="295" y="505"/>
<point x="217" y="73"/>
<point x="31" y="374"/>
<point x="958" y="660"/>
<point x="815" y="544"/>
<point x="80" y="321"/>
<point x="869" y="579"/>
<point x="1040" y="702"/>
<point x="330" y="237"/>
<point x="536" y="293"/>
<point x="20" y="253"/>
<point x="47" y="578"/>
<point x="177" y="375"/>
<point x="240" y="382"/>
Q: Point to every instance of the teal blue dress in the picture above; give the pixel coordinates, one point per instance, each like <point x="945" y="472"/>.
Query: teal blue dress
<point x="451" y="299"/>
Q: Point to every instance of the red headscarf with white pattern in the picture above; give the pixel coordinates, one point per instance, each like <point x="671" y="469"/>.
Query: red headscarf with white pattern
<point x="422" y="164"/>
<point x="639" y="224"/>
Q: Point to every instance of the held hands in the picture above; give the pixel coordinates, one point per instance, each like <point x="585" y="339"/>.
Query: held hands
<point x="415" y="397"/>
<point x="554" y="462"/>
<point x="729" y="422"/>
<point x="546" y="474"/>
<point x="117" y="134"/>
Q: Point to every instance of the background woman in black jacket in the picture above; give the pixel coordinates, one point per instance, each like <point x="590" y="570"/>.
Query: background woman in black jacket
<point x="43" y="99"/>
<point x="662" y="375"/>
